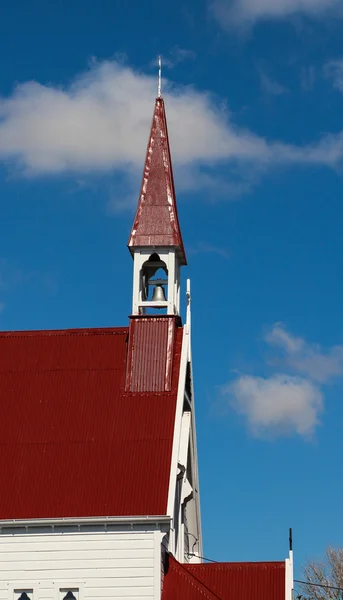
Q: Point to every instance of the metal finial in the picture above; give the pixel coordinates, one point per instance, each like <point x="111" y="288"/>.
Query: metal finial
<point x="159" y="89"/>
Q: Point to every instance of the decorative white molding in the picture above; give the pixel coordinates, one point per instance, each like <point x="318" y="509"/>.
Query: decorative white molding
<point x="139" y="523"/>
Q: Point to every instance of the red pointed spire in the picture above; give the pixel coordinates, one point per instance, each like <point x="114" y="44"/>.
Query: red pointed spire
<point x="156" y="222"/>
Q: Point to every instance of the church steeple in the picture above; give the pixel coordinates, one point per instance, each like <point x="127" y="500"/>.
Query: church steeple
<point x="156" y="222"/>
<point x="156" y="241"/>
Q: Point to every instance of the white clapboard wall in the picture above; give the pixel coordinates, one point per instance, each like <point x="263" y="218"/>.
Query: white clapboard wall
<point x="102" y="565"/>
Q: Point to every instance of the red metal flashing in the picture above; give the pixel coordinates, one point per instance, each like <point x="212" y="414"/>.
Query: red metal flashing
<point x="72" y="442"/>
<point x="156" y="222"/>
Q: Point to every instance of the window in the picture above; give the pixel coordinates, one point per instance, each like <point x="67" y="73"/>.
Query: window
<point x="23" y="594"/>
<point x="68" y="594"/>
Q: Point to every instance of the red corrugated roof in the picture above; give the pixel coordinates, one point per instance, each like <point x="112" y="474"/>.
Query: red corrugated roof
<point x="179" y="584"/>
<point x="224" y="581"/>
<point x="73" y="443"/>
<point x="156" y="222"/>
<point x="242" y="581"/>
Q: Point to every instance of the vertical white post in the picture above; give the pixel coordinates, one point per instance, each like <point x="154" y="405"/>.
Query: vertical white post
<point x="289" y="577"/>
<point x="188" y="313"/>
<point x="172" y="308"/>
<point x="136" y="283"/>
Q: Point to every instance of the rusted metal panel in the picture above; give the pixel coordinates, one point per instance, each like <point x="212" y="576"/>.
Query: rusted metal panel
<point x="156" y="222"/>
<point x="151" y="346"/>
<point x="72" y="442"/>
<point x="242" y="581"/>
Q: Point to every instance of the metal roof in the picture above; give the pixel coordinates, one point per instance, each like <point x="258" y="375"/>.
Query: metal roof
<point x="156" y="222"/>
<point x="73" y="443"/>
<point x="224" y="581"/>
<point x="179" y="583"/>
<point x="242" y="581"/>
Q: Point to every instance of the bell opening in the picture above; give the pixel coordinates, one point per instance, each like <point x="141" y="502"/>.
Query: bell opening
<point x="154" y="280"/>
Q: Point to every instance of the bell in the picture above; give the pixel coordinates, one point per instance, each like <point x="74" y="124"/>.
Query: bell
<point x="158" y="295"/>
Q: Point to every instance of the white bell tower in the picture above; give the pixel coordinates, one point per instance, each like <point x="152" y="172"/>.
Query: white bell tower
<point x="156" y="281"/>
<point x="155" y="242"/>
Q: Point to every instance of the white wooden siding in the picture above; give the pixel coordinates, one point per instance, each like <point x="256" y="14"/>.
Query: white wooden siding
<point x="102" y="565"/>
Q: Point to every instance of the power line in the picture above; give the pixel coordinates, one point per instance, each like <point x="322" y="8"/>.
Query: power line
<point x="321" y="585"/>
<point x="202" y="557"/>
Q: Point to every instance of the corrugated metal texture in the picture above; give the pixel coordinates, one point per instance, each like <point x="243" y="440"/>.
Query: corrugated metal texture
<point x="181" y="585"/>
<point x="156" y="222"/>
<point x="242" y="581"/>
<point x="72" y="442"/>
<point x="150" y="359"/>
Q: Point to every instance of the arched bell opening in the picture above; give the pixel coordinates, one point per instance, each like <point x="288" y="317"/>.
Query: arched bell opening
<point x="154" y="280"/>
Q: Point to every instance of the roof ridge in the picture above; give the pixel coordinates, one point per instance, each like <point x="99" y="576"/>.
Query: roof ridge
<point x="65" y="332"/>
<point x="217" y="564"/>
<point x="191" y="576"/>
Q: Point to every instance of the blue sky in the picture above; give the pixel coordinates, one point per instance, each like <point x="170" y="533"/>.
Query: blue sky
<point x="254" y="95"/>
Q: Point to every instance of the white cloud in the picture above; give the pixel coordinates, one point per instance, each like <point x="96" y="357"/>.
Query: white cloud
<point x="100" y="122"/>
<point x="290" y="402"/>
<point x="278" y="336"/>
<point x="308" y="359"/>
<point x="232" y="12"/>
<point x="279" y="405"/>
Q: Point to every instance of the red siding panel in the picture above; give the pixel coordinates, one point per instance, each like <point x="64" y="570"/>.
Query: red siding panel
<point x="156" y="222"/>
<point x="72" y="442"/>
<point x="150" y="361"/>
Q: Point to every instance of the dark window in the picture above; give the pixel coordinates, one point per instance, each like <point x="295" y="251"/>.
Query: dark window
<point x="24" y="596"/>
<point x="69" y="596"/>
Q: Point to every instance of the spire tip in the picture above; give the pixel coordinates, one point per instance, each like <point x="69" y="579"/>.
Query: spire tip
<point x="159" y="89"/>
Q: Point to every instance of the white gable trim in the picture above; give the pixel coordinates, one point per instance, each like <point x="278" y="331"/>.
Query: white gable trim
<point x="178" y="421"/>
<point x="184" y="439"/>
<point x="195" y="469"/>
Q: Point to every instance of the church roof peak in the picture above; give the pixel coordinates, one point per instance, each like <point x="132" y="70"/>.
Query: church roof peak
<point x="156" y="222"/>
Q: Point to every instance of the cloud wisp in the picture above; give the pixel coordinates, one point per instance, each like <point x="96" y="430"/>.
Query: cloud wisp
<point x="286" y="403"/>
<point x="334" y="70"/>
<point x="271" y="86"/>
<point x="307" y="359"/>
<point x="231" y="13"/>
<point x="278" y="405"/>
<point x="100" y="122"/>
